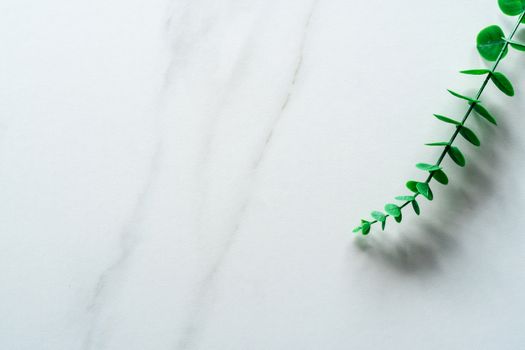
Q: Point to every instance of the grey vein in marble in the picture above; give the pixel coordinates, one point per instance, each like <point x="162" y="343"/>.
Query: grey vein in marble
<point x="201" y="303"/>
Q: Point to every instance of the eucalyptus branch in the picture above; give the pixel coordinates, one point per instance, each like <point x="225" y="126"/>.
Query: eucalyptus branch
<point x="493" y="46"/>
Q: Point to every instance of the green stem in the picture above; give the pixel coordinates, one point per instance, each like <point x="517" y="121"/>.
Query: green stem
<point x="471" y="107"/>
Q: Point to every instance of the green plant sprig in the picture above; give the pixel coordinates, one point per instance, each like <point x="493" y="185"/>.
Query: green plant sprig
<point x="493" y="46"/>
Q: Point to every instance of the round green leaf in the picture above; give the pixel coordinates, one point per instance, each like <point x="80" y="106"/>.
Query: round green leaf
<point x="398" y="218"/>
<point x="437" y="144"/>
<point x="490" y="42"/>
<point x="469" y="135"/>
<point x="517" y="46"/>
<point x="424" y="189"/>
<point x="411" y="185"/>
<point x="463" y="97"/>
<point x="447" y="119"/>
<point x="365" y="228"/>
<point x="502" y="83"/>
<point x="415" y="205"/>
<point x="476" y="71"/>
<point x="440" y="176"/>
<point x="427" y="167"/>
<point x="378" y="216"/>
<point x="456" y="156"/>
<point x="512" y="7"/>
<point x="482" y="112"/>
<point x="405" y="198"/>
<point x="393" y="210"/>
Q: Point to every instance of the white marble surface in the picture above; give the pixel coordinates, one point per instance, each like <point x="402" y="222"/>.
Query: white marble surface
<point x="185" y="174"/>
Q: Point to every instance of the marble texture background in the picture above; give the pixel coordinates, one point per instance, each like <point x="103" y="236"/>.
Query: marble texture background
<point x="185" y="174"/>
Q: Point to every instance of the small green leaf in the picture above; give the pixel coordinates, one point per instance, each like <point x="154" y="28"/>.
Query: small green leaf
<point x="357" y="229"/>
<point x="490" y="42"/>
<point x="482" y="111"/>
<point x="466" y="98"/>
<point x="393" y="210"/>
<point x="427" y="167"/>
<point x="383" y="225"/>
<point x="469" y="135"/>
<point x="365" y="227"/>
<point x="502" y="83"/>
<point x="512" y="7"/>
<point x="476" y="71"/>
<point x="405" y="198"/>
<point x="440" y="176"/>
<point x="447" y="119"/>
<point x="456" y="156"/>
<point x="398" y="218"/>
<point x="415" y="205"/>
<point x="437" y="144"/>
<point x="378" y="216"/>
<point x="516" y="45"/>
<point x="412" y="186"/>
<point x="424" y="189"/>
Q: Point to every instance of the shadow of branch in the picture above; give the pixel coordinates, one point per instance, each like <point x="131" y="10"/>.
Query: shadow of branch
<point x="418" y="248"/>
